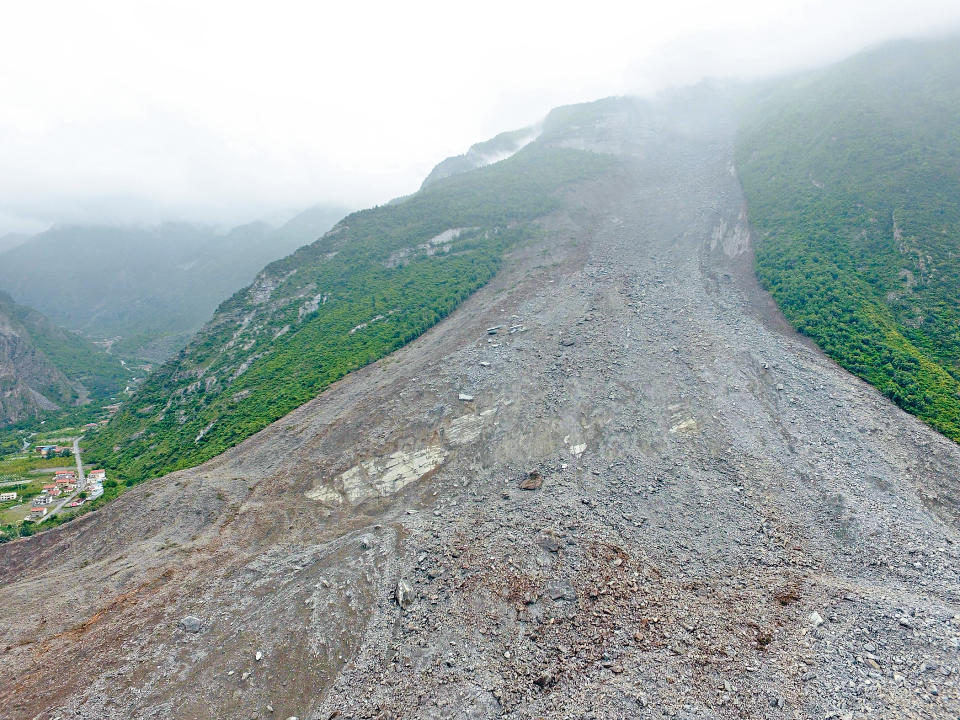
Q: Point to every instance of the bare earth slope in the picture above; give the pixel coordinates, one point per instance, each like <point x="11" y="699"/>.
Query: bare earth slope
<point x="722" y="524"/>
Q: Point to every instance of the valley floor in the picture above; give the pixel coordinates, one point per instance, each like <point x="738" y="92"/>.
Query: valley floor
<point x="720" y="523"/>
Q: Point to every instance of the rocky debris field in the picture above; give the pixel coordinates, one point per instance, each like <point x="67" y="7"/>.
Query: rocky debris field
<point x="640" y="496"/>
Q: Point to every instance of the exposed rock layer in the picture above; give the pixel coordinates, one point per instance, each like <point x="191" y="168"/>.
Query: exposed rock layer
<point x="29" y="382"/>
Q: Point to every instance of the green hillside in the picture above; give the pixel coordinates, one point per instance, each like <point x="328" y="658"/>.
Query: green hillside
<point x="852" y="176"/>
<point x="80" y="361"/>
<point x="379" y="279"/>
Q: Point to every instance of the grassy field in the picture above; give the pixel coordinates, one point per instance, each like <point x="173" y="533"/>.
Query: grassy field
<point x="15" y="511"/>
<point x="60" y="436"/>
<point x="15" y="514"/>
<point x="20" y="465"/>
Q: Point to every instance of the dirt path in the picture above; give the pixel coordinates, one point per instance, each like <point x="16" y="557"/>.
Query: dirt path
<point x="720" y="522"/>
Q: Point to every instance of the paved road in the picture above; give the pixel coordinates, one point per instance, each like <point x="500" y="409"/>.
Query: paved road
<point x="81" y="482"/>
<point x="81" y="478"/>
<point x="59" y="506"/>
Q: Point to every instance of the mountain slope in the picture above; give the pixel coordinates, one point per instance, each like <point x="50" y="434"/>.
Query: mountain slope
<point x="483" y="153"/>
<point x="718" y="521"/>
<point x="29" y="382"/>
<point x="12" y="240"/>
<point x="43" y="367"/>
<point x="376" y="281"/>
<point x="152" y="288"/>
<point x="853" y="179"/>
<point x="596" y="125"/>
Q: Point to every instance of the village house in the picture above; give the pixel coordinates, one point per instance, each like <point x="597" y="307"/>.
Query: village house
<point x="41" y="500"/>
<point x="65" y="475"/>
<point x="7" y="496"/>
<point x="97" y="475"/>
<point x="38" y="512"/>
<point x="95" y="491"/>
<point x="48" y="451"/>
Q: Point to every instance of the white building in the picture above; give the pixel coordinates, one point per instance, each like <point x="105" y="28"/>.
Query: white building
<point x="7" y="496"/>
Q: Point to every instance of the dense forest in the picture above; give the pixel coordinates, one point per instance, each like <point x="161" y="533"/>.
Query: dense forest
<point x="377" y="280"/>
<point x="852" y="176"/>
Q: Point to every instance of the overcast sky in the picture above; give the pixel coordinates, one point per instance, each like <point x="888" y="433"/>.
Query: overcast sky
<point x="134" y="111"/>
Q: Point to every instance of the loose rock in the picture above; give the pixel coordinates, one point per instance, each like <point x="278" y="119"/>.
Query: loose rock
<point x="191" y="624"/>
<point x="404" y="594"/>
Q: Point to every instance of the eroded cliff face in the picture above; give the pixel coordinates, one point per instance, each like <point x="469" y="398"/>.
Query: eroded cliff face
<point x="640" y="496"/>
<point x="29" y="382"/>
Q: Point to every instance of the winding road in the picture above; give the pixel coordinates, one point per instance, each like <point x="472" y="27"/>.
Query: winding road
<point x="81" y="482"/>
<point x="81" y="478"/>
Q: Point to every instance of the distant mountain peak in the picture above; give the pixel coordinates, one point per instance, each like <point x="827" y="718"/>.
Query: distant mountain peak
<point x="497" y="148"/>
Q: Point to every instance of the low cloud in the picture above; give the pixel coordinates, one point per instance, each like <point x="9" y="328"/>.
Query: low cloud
<point x="225" y="112"/>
